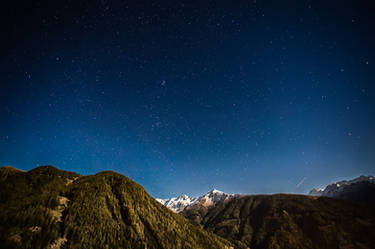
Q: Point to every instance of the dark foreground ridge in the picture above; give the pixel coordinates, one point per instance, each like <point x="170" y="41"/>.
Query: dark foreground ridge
<point x="289" y="221"/>
<point x="50" y="208"/>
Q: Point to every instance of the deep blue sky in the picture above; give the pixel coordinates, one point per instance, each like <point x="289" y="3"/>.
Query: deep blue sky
<point x="185" y="96"/>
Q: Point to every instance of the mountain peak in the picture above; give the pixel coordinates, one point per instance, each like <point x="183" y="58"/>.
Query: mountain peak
<point x="6" y="171"/>
<point x="9" y="167"/>
<point x="215" y="191"/>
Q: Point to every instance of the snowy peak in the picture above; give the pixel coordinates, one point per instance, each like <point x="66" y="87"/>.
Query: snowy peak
<point x="213" y="197"/>
<point x="215" y="191"/>
<point x="178" y="204"/>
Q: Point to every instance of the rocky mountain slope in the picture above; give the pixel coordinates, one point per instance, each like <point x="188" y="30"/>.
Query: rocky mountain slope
<point x="51" y="208"/>
<point x="289" y="221"/>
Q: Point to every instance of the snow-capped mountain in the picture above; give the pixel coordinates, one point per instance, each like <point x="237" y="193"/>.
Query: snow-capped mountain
<point x="213" y="197"/>
<point x="178" y="204"/>
<point x="335" y="189"/>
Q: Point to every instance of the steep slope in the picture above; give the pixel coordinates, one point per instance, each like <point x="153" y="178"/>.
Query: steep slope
<point x="290" y="221"/>
<point x="28" y="206"/>
<point x="50" y="208"/>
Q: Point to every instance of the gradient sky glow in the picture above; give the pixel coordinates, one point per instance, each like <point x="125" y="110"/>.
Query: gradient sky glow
<point x="185" y="96"/>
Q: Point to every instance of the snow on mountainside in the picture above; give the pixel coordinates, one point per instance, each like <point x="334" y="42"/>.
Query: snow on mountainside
<point x="336" y="188"/>
<point x="213" y="197"/>
<point x="178" y="204"/>
<point x="316" y="191"/>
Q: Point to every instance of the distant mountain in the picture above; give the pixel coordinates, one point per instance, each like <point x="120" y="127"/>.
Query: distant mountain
<point x="50" y="208"/>
<point x="358" y="189"/>
<point x="211" y="198"/>
<point x="214" y="197"/>
<point x="178" y="204"/>
<point x="316" y="192"/>
<point x="289" y="221"/>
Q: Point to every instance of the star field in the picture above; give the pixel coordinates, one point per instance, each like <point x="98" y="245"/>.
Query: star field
<point x="185" y="96"/>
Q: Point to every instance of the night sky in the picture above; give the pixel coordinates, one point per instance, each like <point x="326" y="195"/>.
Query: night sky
<point x="185" y="96"/>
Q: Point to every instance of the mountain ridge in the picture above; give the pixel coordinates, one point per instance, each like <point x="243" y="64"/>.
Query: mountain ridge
<point x="50" y="208"/>
<point x="360" y="189"/>
<point x="211" y="198"/>
<point x="289" y="221"/>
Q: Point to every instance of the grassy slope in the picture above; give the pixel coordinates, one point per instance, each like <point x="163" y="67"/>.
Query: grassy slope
<point x="290" y="221"/>
<point x="106" y="210"/>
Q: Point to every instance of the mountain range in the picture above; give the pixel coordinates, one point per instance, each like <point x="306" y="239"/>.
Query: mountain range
<point x="288" y="221"/>
<point x="361" y="188"/>
<point x="56" y="209"/>
<point x="211" y="198"/>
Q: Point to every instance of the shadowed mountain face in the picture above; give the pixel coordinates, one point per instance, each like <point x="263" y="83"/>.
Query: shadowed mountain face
<point x="360" y="189"/>
<point x="289" y="221"/>
<point x="360" y="192"/>
<point x="50" y="208"/>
